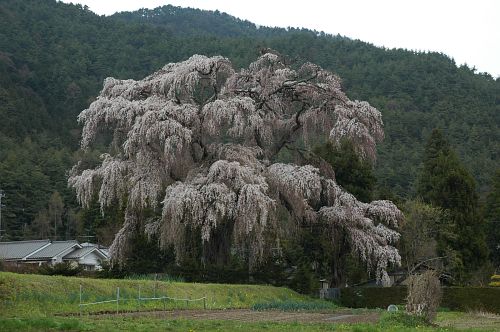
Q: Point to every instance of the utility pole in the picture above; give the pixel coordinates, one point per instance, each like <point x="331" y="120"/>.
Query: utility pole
<point x="1" y="196"/>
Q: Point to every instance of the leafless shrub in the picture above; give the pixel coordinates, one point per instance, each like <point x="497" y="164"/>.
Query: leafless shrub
<point x="424" y="295"/>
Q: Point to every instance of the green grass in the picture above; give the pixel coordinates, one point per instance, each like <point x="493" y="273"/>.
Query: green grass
<point x="290" y="305"/>
<point x="153" y="324"/>
<point x="42" y="324"/>
<point x="34" y="303"/>
<point x="22" y="294"/>
<point x="402" y="319"/>
<point x="163" y="277"/>
<point x="149" y="324"/>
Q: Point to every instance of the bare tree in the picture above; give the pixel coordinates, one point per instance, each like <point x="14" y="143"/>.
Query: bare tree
<point x="74" y="224"/>
<point x="218" y="149"/>
<point x="424" y="295"/>
<point x="41" y="224"/>
<point x="55" y="212"/>
<point x="418" y="234"/>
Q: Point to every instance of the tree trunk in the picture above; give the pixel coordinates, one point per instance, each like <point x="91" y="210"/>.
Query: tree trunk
<point x="338" y="262"/>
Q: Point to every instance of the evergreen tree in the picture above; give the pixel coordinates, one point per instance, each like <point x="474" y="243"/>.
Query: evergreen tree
<point x="351" y="172"/>
<point x="445" y="183"/>
<point x="54" y="57"/>
<point x="355" y="174"/>
<point x="492" y="216"/>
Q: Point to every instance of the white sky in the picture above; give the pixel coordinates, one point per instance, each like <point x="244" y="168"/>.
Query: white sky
<point x="468" y="31"/>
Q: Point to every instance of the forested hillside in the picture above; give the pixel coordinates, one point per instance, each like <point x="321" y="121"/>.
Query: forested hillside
<point x="54" y="58"/>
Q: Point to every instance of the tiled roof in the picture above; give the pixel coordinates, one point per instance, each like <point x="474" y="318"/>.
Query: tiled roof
<point x="102" y="249"/>
<point x="105" y="251"/>
<point x="79" y="253"/>
<point x="54" y="249"/>
<point x="20" y="249"/>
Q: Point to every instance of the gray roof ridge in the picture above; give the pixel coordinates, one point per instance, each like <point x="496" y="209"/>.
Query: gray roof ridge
<point x="102" y="253"/>
<point x="65" y="241"/>
<point x="89" y="251"/>
<point x="23" y="241"/>
<point x="37" y="250"/>
<point x="58" y="252"/>
<point x="92" y="249"/>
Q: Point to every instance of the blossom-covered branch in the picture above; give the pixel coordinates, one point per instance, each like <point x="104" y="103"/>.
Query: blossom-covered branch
<point x="206" y="144"/>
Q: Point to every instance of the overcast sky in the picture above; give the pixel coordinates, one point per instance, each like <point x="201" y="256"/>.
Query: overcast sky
<point x="467" y="31"/>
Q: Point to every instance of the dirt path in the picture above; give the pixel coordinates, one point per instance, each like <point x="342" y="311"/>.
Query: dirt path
<point x="245" y="315"/>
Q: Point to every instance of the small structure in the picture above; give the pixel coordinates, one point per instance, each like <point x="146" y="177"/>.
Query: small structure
<point x="325" y="292"/>
<point x="89" y="257"/>
<point x="40" y="252"/>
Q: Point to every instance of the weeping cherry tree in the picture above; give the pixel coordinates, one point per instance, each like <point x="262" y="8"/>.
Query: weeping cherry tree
<point x="209" y="148"/>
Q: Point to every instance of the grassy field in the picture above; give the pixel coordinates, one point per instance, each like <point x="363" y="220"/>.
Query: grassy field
<point x="144" y="324"/>
<point x="157" y="324"/>
<point x="37" y="294"/>
<point x="51" y="303"/>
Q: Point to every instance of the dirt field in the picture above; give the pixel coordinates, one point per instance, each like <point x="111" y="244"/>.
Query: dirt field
<point x="245" y="315"/>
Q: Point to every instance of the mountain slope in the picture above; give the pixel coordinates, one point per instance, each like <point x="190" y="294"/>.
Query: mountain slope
<point x="54" y="57"/>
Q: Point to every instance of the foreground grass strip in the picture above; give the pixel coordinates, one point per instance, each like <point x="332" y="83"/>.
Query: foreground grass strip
<point x="43" y="324"/>
<point x="149" y="324"/>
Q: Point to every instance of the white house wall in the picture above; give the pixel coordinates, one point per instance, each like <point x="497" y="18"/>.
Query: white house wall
<point x="91" y="259"/>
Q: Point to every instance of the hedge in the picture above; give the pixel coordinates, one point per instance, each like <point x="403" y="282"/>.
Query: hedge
<point x="495" y="280"/>
<point x="454" y="298"/>
<point x="372" y="297"/>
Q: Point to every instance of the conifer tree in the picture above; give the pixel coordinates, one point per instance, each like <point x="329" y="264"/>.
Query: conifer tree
<point x="445" y="183"/>
<point x="353" y="173"/>
<point x="492" y="216"/>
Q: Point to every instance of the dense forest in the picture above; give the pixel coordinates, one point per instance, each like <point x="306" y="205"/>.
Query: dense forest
<point x="55" y="56"/>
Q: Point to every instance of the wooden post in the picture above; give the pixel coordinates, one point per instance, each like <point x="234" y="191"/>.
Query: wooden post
<point x="154" y="289"/>
<point x="205" y="302"/>
<point x="139" y="298"/>
<point x="166" y="298"/>
<point x="117" y="298"/>
<point x="80" y="299"/>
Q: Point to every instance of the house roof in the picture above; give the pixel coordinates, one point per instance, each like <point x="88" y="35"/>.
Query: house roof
<point x="89" y="244"/>
<point x="20" y="249"/>
<point x="82" y="252"/>
<point x="79" y="253"/>
<point x="102" y="249"/>
<point x="54" y="249"/>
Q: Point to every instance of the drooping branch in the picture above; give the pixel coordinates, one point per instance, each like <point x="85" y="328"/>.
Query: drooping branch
<point x="210" y="157"/>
